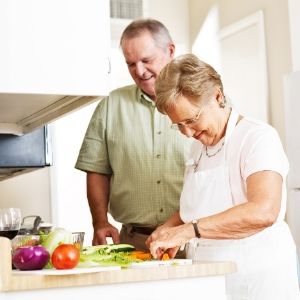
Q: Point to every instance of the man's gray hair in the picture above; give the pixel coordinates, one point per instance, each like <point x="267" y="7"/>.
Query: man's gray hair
<point x="158" y="31"/>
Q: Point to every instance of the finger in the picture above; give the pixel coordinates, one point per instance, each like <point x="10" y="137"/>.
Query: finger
<point x="156" y="251"/>
<point x="115" y="237"/>
<point x="98" y="240"/>
<point x="153" y="248"/>
<point x="160" y="253"/>
<point x="172" y="252"/>
<point x="148" y="241"/>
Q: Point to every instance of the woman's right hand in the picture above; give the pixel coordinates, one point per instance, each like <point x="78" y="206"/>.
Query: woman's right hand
<point x="169" y="239"/>
<point x="159" y="252"/>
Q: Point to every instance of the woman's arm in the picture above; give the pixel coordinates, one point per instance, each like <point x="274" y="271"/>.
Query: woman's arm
<point x="264" y="190"/>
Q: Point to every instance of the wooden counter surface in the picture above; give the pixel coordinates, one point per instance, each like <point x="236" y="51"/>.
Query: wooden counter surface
<point x="11" y="282"/>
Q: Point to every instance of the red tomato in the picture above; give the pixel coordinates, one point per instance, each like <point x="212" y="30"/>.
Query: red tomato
<point x="65" y="256"/>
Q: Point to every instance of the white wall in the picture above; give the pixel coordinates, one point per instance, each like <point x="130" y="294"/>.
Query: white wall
<point x="175" y="15"/>
<point x="30" y="192"/>
<point x="294" y="10"/>
<point x="277" y="34"/>
<point x="68" y="186"/>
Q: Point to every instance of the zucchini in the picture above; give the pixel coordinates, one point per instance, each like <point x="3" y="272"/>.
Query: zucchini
<point x="106" y="249"/>
<point x="120" y="248"/>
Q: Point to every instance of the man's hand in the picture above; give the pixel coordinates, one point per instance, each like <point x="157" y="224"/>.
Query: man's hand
<point x="104" y="231"/>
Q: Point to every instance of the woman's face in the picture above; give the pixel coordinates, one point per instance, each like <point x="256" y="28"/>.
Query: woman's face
<point x="206" y="123"/>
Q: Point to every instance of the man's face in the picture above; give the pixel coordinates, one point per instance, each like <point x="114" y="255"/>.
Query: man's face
<point x="145" y="60"/>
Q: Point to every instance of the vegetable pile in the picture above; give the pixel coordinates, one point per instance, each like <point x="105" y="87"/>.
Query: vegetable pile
<point x="57" y="251"/>
<point x="107" y="255"/>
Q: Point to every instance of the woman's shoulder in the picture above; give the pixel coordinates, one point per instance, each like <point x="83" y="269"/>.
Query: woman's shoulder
<point x="254" y="128"/>
<point x="254" y="135"/>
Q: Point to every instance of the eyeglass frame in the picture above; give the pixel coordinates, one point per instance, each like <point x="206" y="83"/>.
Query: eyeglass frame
<point x="187" y="123"/>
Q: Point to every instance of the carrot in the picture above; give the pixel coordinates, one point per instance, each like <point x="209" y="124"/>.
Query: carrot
<point x="141" y="255"/>
<point x="165" y="256"/>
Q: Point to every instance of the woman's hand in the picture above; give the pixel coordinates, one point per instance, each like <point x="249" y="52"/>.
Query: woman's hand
<point x="160" y="230"/>
<point x="169" y="239"/>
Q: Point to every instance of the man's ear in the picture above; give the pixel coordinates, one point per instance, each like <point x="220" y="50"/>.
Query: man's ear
<point x="171" y="48"/>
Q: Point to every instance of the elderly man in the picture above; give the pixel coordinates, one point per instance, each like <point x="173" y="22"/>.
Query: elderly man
<point x="133" y="159"/>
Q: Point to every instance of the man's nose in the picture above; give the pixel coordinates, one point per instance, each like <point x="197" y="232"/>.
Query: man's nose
<point x="140" y="69"/>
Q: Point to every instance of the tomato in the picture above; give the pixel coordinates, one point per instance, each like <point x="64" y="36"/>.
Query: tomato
<point x="65" y="256"/>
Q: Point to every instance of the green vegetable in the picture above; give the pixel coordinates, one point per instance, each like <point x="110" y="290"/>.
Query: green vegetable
<point x="106" y="249"/>
<point x="56" y="237"/>
<point x="107" y="255"/>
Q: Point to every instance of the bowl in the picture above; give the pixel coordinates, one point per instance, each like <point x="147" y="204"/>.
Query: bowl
<point x="25" y="240"/>
<point x="77" y="239"/>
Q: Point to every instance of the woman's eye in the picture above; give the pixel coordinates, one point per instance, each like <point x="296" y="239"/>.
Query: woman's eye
<point x="189" y="122"/>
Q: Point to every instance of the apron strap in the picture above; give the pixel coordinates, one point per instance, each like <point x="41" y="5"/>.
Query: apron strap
<point x="233" y="118"/>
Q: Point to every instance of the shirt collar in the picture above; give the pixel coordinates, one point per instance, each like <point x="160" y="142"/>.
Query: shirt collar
<point x="144" y="97"/>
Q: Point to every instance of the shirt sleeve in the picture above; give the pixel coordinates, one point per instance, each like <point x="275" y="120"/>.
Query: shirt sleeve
<point x="263" y="151"/>
<point x="93" y="155"/>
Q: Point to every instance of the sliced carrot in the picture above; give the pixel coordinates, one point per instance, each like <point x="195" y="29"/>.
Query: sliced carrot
<point x="165" y="256"/>
<point x="141" y="255"/>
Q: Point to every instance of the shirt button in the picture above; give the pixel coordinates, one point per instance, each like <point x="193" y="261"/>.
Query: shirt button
<point x="158" y="181"/>
<point x="158" y="132"/>
<point x="161" y="210"/>
<point x="158" y="155"/>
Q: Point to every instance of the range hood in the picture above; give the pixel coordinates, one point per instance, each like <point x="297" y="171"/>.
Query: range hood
<point x="23" y="113"/>
<point x="20" y="154"/>
<point x="25" y="143"/>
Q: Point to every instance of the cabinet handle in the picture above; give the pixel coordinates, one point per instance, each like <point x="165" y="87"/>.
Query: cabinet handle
<point x="109" y="65"/>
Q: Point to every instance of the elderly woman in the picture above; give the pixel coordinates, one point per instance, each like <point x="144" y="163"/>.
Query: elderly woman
<point x="233" y="201"/>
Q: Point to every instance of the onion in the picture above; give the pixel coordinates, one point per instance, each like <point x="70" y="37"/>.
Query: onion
<point x="30" y="257"/>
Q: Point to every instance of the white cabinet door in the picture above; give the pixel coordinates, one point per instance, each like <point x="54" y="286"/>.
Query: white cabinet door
<point x="292" y="126"/>
<point x="293" y="208"/>
<point x="54" y="47"/>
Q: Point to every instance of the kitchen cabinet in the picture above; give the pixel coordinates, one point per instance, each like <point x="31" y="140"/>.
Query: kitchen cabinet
<point x="206" y="279"/>
<point x="292" y="125"/>
<point x="54" y="58"/>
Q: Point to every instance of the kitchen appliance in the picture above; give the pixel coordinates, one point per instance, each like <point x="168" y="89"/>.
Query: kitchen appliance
<point x="24" y="153"/>
<point x="34" y="225"/>
<point x="292" y="134"/>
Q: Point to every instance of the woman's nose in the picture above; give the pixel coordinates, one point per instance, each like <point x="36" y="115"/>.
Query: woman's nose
<point x="187" y="131"/>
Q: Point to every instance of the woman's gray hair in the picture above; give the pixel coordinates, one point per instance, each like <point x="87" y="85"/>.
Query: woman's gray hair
<point x="186" y="76"/>
<point x="158" y="31"/>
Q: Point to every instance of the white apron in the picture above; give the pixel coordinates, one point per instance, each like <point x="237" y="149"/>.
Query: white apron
<point x="266" y="261"/>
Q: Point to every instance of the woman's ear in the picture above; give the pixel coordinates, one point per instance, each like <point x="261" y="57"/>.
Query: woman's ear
<point x="220" y="98"/>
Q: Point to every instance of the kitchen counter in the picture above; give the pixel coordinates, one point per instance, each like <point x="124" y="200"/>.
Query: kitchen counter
<point x="158" y="280"/>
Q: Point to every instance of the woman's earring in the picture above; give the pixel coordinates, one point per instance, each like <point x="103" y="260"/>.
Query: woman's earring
<point x="222" y="104"/>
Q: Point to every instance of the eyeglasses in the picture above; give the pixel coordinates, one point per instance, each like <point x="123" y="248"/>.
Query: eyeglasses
<point x="186" y="123"/>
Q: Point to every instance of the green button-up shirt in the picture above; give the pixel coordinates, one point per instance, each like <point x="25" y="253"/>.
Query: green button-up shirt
<point x="128" y="138"/>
